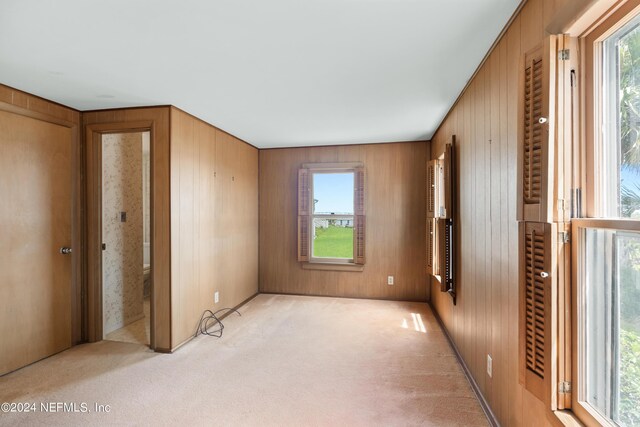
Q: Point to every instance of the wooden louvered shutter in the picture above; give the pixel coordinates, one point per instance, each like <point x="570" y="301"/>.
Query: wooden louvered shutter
<point x="537" y="134"/>
<point x="432" y="166"/>
<point x="537" y="287"/>
<point x="360" y="223"/>
<point x="442" y="252"/>
<point x="431" y="188"/>
<point x="304" y="214"/>
<point x="431" y="237"/>
<point x="446" y="230"/>
<point x="448" y="173"/>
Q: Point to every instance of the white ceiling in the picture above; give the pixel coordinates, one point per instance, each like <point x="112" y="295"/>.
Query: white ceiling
<point x="275" y="73"/>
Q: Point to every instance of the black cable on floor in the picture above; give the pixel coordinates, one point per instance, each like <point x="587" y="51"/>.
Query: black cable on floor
<point x="210" y="320"/>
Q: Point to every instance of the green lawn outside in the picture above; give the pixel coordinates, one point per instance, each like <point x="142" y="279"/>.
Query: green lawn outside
<point x="333" y="242"/>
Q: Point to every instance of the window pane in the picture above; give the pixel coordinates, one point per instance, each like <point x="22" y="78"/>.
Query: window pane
<point x="621" y="130"/>
<point x="333" y="238"/>
<point x="333" y="193"/>
<point x="611" y="304"/>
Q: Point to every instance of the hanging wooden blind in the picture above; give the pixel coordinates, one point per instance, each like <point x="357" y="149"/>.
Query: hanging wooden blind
<point x="536" y="288"/>
<point x="304" y="214"/>
<point x="359" y="218"/>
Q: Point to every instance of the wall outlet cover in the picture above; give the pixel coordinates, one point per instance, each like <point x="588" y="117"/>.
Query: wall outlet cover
<point x="389" y="280"/>
<point x="216" y="297"/>
<point x="489" y="366"/>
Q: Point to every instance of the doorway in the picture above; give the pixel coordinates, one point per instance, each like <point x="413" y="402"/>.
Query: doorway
<point x="126" y="237"/>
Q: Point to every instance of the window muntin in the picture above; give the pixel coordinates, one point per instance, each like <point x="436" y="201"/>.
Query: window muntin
<point x="332" y="237"/>
<point x="609" y="321"/>
<point x="620" y="127"/>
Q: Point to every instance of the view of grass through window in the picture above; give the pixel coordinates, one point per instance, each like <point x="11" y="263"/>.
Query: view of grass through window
<point x="628" y="52"/>
<point x="333" y="215"/>
<point x="332" y="241"/>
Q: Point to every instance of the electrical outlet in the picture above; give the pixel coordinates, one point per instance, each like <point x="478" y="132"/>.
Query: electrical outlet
<point x="489" y="366"/>
<point x="216" y="297"/>
<point x="389" y="280"/>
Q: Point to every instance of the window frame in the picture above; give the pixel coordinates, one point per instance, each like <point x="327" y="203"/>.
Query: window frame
<point x="313" y="216"/>
<point x="590" y="152"/>
<point x="339" y="264"/>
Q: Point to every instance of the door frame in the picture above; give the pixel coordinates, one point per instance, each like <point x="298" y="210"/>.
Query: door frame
<point x="93" y="135"/>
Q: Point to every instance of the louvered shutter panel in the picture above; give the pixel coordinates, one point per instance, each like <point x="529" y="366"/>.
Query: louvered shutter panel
<point x="431" y="211"/>
<point x="431" y="188"/>
<point x="447" y="267"/>
<point x="304" y="215"/>
<point x="443" y="249"/>
<point x="359" y="217"/>
<point x="537" y="287"/>
<point x="431" y="235"/>
<point x="448" y="180"/>
<point x="537" y="133"/>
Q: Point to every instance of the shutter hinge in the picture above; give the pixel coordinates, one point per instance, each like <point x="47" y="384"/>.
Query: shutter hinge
<point x="564" y="387"/>
<point x="564" y="237"/>
<point x="564" y="54"/>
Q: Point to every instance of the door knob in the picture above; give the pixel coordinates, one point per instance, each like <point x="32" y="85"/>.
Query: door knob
<point x="65" y="251"/>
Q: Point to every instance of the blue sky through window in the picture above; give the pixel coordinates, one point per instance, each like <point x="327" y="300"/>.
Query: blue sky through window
<point x="333" y="192"/>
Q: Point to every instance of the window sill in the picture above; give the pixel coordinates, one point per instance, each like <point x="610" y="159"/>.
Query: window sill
<point x="332" y="266"/>
<point x="567" y="418"/>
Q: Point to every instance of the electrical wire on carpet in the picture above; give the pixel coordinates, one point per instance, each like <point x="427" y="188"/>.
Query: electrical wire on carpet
<point x="210" y="320"/>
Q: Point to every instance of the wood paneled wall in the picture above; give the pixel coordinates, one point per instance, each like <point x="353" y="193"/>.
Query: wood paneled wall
<point x="158" y="117"/>
<point x="485" y="320"/>
<point x="214" y="221"/>
<point x="395" y="206"/>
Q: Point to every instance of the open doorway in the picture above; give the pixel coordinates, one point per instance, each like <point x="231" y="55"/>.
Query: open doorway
<point x="126" y="237"/>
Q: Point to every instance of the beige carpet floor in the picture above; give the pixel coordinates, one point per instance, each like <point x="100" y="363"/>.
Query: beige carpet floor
<point x="289" y="360"/>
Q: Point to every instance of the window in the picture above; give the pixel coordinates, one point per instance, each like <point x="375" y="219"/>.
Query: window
<point x="331" y="220"/>
<point x="440" y="216"/>
<point x="606" y="294"/>
<point x="608" y="309"/>
<point x="332" y="216"/>
<point x="620" y="104"/>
